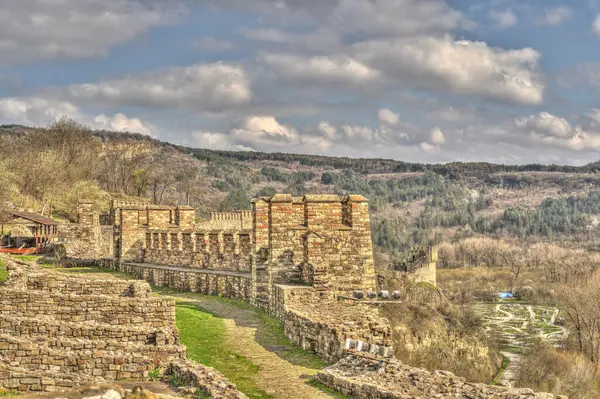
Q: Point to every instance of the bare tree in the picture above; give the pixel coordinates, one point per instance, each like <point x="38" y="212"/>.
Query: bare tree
<point x="580" y="301"/>
<point x="514" y="260"/>
<point x="191" y="180"/>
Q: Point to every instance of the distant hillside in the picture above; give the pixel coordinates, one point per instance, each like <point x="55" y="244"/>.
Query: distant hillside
<point x="411" y="203"/>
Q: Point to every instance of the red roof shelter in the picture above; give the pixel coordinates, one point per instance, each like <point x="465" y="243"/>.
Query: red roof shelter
<point x="41" y="228"/>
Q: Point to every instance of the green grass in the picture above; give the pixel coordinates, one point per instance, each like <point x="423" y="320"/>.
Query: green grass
<point x="503" y="367"/>
<point x="204" y="336"/>
<point x="4" y="393"/>
<point x="89" y="270"/>
<point x="3" y="276"/>
<point x="28" y="258"/>
<point x="269" y="333"/>
<point x="324" y="388"/>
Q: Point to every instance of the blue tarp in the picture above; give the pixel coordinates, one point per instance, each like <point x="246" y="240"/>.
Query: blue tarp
<point x="505" y="295"/>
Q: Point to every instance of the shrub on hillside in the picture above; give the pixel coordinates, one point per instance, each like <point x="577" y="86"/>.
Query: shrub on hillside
<point x="548" y="369"/>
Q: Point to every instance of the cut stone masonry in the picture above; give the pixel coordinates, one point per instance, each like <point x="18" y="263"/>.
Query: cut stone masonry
<point x="60" y="331"/>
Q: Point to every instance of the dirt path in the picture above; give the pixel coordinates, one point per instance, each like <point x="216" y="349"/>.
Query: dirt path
<point x="510" y="374"/>
<point x="282" y="378"/>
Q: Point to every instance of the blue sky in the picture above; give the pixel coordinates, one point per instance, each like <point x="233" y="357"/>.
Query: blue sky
<point x="416" y="80"/>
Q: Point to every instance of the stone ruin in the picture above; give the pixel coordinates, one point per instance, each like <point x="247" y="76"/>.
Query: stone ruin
<point x="305" y="260"/>
<point x="61" y="331"/>
<point x="367" y="377"/>
<point x="323" y="241"/>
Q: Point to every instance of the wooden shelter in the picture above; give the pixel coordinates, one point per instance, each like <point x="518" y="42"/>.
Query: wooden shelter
<point x="28" y="231"/>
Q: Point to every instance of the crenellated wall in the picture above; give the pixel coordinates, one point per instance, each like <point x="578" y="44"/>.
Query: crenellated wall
<point x="322" y="241"/>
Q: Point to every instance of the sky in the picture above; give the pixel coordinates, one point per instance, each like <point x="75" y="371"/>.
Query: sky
<point x="501" y="81"/>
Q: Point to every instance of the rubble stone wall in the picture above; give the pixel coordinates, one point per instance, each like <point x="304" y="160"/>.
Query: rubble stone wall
<point x="323" y="325"/>
<point x="230" y="285"/>
<point x="85" y="241"/>
<point x="360" y="377"/>
<point x="59" y="331"/>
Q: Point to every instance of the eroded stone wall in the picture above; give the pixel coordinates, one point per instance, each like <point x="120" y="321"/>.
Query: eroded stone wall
<point x="323" y="325"/>
<point x="59" y="331"/>
<point x="84" y="241"/>
<point x="361" y="377"/>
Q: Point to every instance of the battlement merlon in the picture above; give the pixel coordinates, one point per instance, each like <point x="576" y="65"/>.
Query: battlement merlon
<point x="86" y="215"/>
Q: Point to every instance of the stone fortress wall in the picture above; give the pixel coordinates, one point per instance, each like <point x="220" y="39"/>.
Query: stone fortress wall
<point x="59" y="331"/>
<point x="300" y="259"/>
<point x="323" y="241"/>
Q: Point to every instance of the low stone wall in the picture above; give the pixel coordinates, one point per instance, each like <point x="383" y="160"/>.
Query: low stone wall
<point x="88" y="285"/>
<point x="323" y="325"/>
<point x="99" y="308"/>
<point x="210" y="381"/>
<point x="59" y="331"/>
<point x="364" y="378"/>
<point x="211" y="282"/>
<point x="44" y="326"/>
<point x="99" y="358"/>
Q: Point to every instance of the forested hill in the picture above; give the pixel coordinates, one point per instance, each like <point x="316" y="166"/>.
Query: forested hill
<point x="411" y="203"/>
<point x="362" y="165"/>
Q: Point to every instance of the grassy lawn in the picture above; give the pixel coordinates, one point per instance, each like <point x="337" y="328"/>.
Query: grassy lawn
<point x="269" y="334"/>
<point x="88" y="270"/>
<point x="204" y="336"/>
<point x="3" y="272"/>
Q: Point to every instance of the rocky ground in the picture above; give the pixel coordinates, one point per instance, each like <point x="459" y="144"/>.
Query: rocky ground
<point x="364" y="378"/>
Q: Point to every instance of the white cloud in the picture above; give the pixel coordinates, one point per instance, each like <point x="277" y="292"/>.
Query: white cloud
<point x="57" y="29"/>
<point x="458" y="66"/>
<point x="39" y="111"/>
<point x="435" y="140"/>
<point x="121" y="123"/>
<point x="594" y="115"/>
<point x="210" y="43"/>
<point x="546" y="124"/>
<point x="454" y="114"/>
<point x="213" y="140"/>
<point x="358" y="135"/>
<point x="323" y="39"/>
<point x="35" y="111"/>
<point x="265" y="129"/>
<point x="437" y="136"/>
<point x="387" y="117"/>
<point x="352" y="17"/>
<point x="212" y="87"/>
<point x="427" y="147"/>
<point x="326" y="130"/>
<point x="395" y="17"/>
<point x="503" y="19"/>
<point x="596" y="26"/>
<point x="556" y="15"/>
<point x="320" y="69"/>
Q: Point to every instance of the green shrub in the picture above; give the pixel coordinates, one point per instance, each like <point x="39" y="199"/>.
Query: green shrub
<point x="155" y="374"/>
